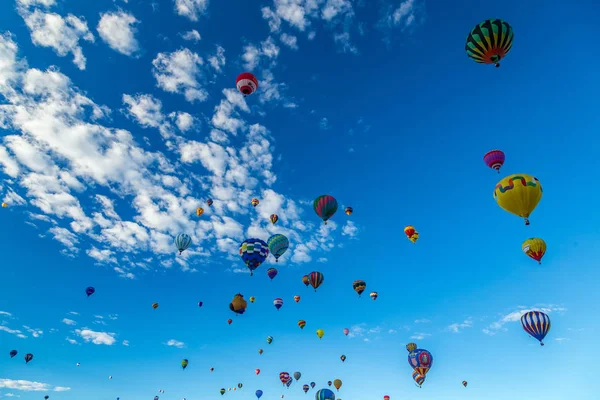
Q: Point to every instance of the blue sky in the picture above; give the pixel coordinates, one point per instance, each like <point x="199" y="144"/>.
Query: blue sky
<point x="119" y="118"/>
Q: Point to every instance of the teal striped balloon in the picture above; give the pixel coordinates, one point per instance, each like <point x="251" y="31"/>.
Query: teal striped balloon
<point x="278" y="244"/>
<point x="183" y="241"/>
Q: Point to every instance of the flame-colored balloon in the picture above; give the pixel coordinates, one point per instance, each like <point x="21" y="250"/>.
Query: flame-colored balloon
<point x="306" y="280"/>
<point x="534" y="248"/>
<point x="411" y="233"/>
<point x="199" y="211"/>
<point x="252" y="299"/>
<point x="374" y="295"/>
<point x="349" y="210"/>
<point x="4" y="205"/>
<point x="296" y="298"/>
<point x="255" y="202"/>
<point x="229" y="321"/>
<point x="302" y="324"/>
<point x="155" y="305"/>
<point x="337" y="383"/>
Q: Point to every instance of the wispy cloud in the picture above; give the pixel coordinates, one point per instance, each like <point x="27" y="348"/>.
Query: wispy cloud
<point x="15" y="332"/>
<point x="30" y="386"/>
<point x="420" y="335"/>
<point x="106" y="338"/>
<point x="5" y="313"/>
<point x="175" y="343"/>
<point x="125" y="342"/>
<point x="68" y="321"/>
<point x="457" y="327"/>
<point x="422" y="321"/>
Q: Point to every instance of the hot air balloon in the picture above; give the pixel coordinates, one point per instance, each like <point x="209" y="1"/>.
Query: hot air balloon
<point x="259" y="394"/>
<point x="272" y="273"/>
<point x="359" y="286"/>
<point x="494" y="159"/>
<point x="289" y="382"/>
<point x="338" y="384"/>
<point x="252" y="299"/>
<point x="110" y="377"/>
<point x="28" y="357"/>
<point x="274" y="218"/>
<point x="324" y="394"/>
<point x="374" y="295"/>
<point x="297" y="375"/>
<point x="182" y="242"/>
<point x="13" y="353"/>
<point x="343" y="358"/>
<point x="78" y="364"/>
<point x="260" y="351"/>
<point x="222" y="391"/>
<point x="306" y="388"/>
<point x="534" y="248"/>
<point x="253" y="253"/>
<point x="155" y="397"/>
<point x="296" y="298"/>
<point x="315" y="279"/>
<point x="200" y="304"/>
<point x="411" y="233"/>
<point x="90" y="291"/>
<point x="519" y="194"/>
<point x="489" y="42"/>
<point x="411" y="347"/>
<point x="246" y="83"/>
<point x="302" y="324"/>
<point x="255" y="202"/>
<point x="284" y="377"/>
<point x="257" y="371"/>
<point x="209" y="202"/>
<point x="325" y="206"/>
<point x="537" y="324"/>
<point x="278" y="303"/>
<point x="306" y="280"/>
<point x="312" y="385"/>
<point x="320" y="333"/>
<point x="4" y="205"/>
<point x="155" y="305"/>
<point x="329" y="383"/>
<point x="386" y="397"/>
<point x="349" y="210"/>
<point x="464" y="383"/>
<point x="278" y="245"/>
<point x="46" y="397"/>
<point x="212" y="369"/>
<point x="269" y="339"/>
<point x="420" y="360"/>
<point x="238" y="304"/>
<point x="184" y="363"/>
<point x="229" y="321"/>
<point x="419" y="379"/>
<point x="346" y="331"/>
<point x="199" y="211"/>
<point x="240" y="385"/>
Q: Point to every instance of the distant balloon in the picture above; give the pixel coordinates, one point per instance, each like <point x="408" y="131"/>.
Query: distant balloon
<point x="494" y="159"/>
<point x="211" y="369"/>
<point x="4" y="205"/>
<point x="411" y="233"/>
<point x="255" y="202"/>
<point x="28" y="357"/>
<point x="315" y="279"/>
<point x="302" y="324"/>
<point x="306" y="280"/>
<point x="534" y="248"/>
<point x="284" y="377"/>
<point x="278" y="303"/>
<point x="306" y="388"/>
<point x="278" y="245"/>
<point x="252" y="299"/>
<point x="269" y="339"/>
<point x="359" y="286"/>
<point x="110" y="377"/>
<point x="78" y="364"/>
<point x="90" y="291"/>
<point x="386" y="397"/>
<point x="325" y="206"/>
<point x="320" y="333"/>
<point x="519" y="194"/>
<point x="182" y="242"/>
<point x="200" y="304"/>
<point x="489" y="41"/>
<point x="240" y="385"/>
<point x="155" y="305"/>
<point x="46" y="397"/>
<point x="238" y="304"/>
<point x="346" y="331"/>
<point x="209" y="202"/>
<point x="296" y="298"/>
<point x="411" y="347"/>
<point x="324" y="394"/>
<point x="337" y="383"/>
<point x="184" y="363"/>
<point x="297" y="375"/>
<point x="257" y="371"/>
<point x="537" y="324"/>
<point x="349" y="210"/>
<point x="229" y="321"/>
<point x="272" y="273"/>
<point x="222" y="391"/>
<point x="312" y="385"/>
<point x="199" y="211"/>
<point x="374" y="295"/>
<point x="343" y="358"/>
<point x="260" y="351"/>
<point x="464" y="383"/>
<point x="13" y="353"/>
<point x="246" y="83"/>
<point x="259" y="394"/>
<point x="274" y="218"/>
<point x="253" y="252"/>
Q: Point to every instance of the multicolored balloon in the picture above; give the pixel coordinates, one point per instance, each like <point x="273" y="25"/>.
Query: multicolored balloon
<point x="229" y="321"/>
<point x="537" y="324"/>
<point x="494" y="159"/>
<point x="28" y="357"/>
<point x="411" y="233"/>
<point x="315" y="279"/>
<point x="349" y="210"/>
<point x="253" y="252"/>
<point x="184" y="363"/>
<point x="209" y="202"/>
<point x="312" y="385"/>
<point x="386" y="397"/>
<point x="490" y="41"/>
<point x="302" y="324"/>
<point x="519" y="194"/>
<point x="464" y="383"/>
<point x="419" y="379"/>
<point x="324" y="394"/>
<point x="272" y="273"/>
<point x="278" y="303"/>
<point x="329" y="383"/>
<point x="296" y="298"/>
<point x="306" y="388"/>
<point x="374" y="295"/>
<point x="359" y="286"/>
<point x="238" y="305"/>
<point x="274" y="218"/>
<point x="306" y="280"/>
<point x="534" y="248"/>
<point x="222" y="391"/>
<point x="260" y="351"/>
<point x="252" y="299"/>
<point x="411" y="347"/>
<point x="325" y="206"/>
<point x="269" y="339"/>
<point x="420" y="360"/>
<point x="278" y="245"/>
<point x="182" y="242"/>
<point x="155" y="305"/>
<point x="284" y="377"/>
<point x="343" y="358"/>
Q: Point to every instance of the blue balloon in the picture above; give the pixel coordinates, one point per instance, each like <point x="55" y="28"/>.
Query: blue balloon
<point x="259" y="394"/>
<point x="183" y="241"/>
<point x="324" y="394"/>
<point x="253" y="252"/>
<point x="278" y="244"/>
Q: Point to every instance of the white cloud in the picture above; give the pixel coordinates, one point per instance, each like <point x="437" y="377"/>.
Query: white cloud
<point x="344" y="43"/>
<point x="350" y="229"/>
<point x="125" y="342"/>
<point x="422" y="321"/>
<point x="561" y="339"/>
<point x="253" y="55"/>
<point x="290" y="41"/>
<point x="175" y="343"/>
<point x="217" y="61"/>
<point x="191" y="9"/>
<point x="29" y="386"/>
<point x="457" y="327"/>
<point x="15" y="332"/>
<point x="6" y="313"/>
<point x="180" y="72"/>
<point x="70" y="340"/>
<point x="192" y="36"/>
<point x="118" y="30"/>
<point x="324" y="124"/>
<point x="515" y="316"/>
<point x="61" y="34"/>
<point x="420" y="335"/>
<point x="406" y="14"/>
<point x="183" y="120"/>
<point x="68" y="321"/>
<point x="89" y="335"/>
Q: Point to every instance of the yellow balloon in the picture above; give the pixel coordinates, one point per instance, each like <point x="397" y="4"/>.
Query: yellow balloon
<point x="337" y="383"/>
<point x="320" y="333"/>
<point x="199" y="211"/>
<point x="4" y="205"/>
<point x="519" y="194"/>
<point x="534" y="248"/>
